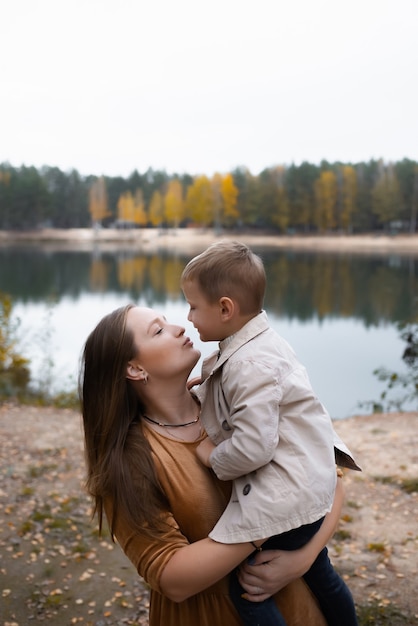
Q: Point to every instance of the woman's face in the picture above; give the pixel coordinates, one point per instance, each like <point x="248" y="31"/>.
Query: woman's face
<point x="163" y="350"/>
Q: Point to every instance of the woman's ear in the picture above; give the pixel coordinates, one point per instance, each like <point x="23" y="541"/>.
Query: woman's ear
<point x="135" y="372"/>
<point x="227" y="308"/>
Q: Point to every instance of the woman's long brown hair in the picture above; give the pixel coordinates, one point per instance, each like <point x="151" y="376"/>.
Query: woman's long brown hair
<point x="120" y="470"/>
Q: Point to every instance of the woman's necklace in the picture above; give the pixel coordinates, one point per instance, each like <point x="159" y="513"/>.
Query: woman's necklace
<point x="191" y="434"/>
<point x="163" y="425"/>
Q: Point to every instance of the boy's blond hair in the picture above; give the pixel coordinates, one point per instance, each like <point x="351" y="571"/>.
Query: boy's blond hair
<point x="229" y="269"/>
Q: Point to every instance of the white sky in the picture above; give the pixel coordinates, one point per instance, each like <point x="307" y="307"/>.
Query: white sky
<point x="109" y="86"/>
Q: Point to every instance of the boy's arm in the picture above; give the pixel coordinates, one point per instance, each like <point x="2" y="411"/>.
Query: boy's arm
<point x="204" y="450"/>
<point x="253" y="395"/>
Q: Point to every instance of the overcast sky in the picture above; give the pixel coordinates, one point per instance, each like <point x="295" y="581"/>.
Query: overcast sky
<point x="109" y="86"/>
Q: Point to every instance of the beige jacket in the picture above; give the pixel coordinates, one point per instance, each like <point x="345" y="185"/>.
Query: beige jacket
<point x="274" y="438"/>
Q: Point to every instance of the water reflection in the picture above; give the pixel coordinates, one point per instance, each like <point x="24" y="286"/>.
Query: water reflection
<point x="338" y="311"/>
<point x="301" y="286"/>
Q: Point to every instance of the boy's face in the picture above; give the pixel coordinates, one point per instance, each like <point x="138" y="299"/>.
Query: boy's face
<point x="204" y="316"/>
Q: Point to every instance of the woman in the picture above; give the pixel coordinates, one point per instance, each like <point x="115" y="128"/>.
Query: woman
<point x="142" y="427"/>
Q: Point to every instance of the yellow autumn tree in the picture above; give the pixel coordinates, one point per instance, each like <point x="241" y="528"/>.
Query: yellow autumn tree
<point x="174" y="210"/>
<point x="4" y="177"/>
<point x="131" y="210"/>
<point x="199" y="201"/>
<point x="326" y="200"/>
<point x="224" y="200"/>
<point x="98" y="203"/>
<point x="217" y="202"/>
<point x="126" y="208"/>
<point x="229" y="193"/>
<point x="155" y="209"/>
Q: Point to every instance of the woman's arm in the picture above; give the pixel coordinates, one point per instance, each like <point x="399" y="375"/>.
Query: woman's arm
<point x="271" y="570"/>
<point x="199" y="565"/>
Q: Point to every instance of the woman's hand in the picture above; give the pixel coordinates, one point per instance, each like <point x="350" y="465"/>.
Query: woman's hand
<point x="270" y="571"/>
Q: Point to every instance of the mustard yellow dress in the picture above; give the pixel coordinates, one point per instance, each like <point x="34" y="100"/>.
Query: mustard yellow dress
<point x="197" y="499"/>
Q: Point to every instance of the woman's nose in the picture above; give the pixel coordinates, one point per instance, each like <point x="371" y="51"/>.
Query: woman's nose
<point x="179" y="330"/>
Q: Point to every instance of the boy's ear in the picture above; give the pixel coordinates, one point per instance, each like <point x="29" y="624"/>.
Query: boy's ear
<point x="135" y="372"/>
<point x="227" y="308"/>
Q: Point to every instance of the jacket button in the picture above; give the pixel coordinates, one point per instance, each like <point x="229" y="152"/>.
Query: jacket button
<point x="225" y="425"/>
<point x="246" y="489"/>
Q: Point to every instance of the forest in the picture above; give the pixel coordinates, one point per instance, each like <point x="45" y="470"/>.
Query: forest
<point x="305" y="198"/>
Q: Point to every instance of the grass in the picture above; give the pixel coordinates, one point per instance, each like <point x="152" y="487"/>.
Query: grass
<point x="353" y="505"/>
<point x="61" y="400"/>
<point x="38" y="470"/>
<point x="377" y="547"/>
<point x="342" y="535"/>
<point x="409" y="485"/>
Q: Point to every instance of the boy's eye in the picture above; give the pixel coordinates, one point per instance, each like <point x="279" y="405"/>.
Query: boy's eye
<point x="158" y="331"/>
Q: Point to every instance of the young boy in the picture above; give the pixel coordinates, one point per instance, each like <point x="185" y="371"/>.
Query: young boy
<point x="267" y="430"/>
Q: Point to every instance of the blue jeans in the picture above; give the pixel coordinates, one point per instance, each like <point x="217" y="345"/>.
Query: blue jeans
<point x="328" y="587"/>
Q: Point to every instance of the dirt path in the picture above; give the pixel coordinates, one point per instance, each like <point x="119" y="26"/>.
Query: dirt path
<point x="54" y="569"/>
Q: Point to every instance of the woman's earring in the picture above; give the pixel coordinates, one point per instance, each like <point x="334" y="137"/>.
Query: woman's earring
<point x="145" y="378"/>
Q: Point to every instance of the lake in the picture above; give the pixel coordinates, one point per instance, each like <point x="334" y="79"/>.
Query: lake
<point x="340" y="312"/>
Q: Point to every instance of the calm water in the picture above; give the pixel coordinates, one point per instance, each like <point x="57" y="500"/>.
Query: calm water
<point x="339" y="312"/>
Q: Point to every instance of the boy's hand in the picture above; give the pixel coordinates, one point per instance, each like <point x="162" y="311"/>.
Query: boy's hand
<point x="192" y="382"/>
<point x="204" y="450"/>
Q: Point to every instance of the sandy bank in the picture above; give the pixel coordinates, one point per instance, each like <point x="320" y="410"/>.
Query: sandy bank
<point x="192" y="241"/>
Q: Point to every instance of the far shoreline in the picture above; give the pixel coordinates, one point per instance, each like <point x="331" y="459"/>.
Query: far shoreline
<point x="194" y="240"/>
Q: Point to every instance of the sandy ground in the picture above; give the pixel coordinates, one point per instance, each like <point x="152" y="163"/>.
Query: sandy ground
<point x="54" y="568"/>
<point x="376" y="546"/>
<point x="193" y="240"/>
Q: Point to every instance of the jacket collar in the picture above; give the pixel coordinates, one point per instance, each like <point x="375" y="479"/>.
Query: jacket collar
<point x="228" y="346"/>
